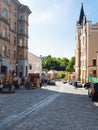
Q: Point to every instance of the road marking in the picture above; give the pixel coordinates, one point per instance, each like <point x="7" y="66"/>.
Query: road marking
<point x="10" y="120"/>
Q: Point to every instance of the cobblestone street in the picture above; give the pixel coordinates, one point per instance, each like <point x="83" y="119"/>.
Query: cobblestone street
<point x="59" y="107"/>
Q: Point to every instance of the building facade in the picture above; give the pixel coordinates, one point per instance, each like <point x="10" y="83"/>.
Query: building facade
<point x="86" y="52"/>
<point x="13" y="37"/>
<point x="35" y="64"/>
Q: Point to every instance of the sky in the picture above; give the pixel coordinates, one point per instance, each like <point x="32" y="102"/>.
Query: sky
<point x="52" y="25"/>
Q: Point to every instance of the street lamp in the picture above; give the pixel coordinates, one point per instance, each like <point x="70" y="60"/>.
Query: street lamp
<point x="0" y="63"/>
<point x="16" y="68"/>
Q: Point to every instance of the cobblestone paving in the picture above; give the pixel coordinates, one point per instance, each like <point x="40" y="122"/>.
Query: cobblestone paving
<point x="58" y="107"/>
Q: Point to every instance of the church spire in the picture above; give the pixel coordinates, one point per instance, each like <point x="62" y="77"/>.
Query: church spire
<point x="81" y="15"/>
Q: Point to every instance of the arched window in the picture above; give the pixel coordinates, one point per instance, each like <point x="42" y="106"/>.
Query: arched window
<point x="4" y="13"/>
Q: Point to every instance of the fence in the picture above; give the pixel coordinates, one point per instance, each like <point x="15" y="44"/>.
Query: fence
<point x="92" y="79"/>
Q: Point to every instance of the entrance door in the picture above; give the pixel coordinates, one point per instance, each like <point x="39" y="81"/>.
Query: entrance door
<point x="3" y="70"/>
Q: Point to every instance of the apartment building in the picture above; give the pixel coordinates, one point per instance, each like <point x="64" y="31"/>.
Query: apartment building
<point x="14" y="37"/>
<point x="86" y="52"/>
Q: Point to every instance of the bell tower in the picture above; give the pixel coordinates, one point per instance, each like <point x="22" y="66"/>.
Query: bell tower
<point x="79" y="26"/>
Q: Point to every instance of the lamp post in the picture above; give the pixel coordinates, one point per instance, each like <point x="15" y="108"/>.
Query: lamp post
<point x="0" y="63"/>
<point x="16" y="68"/>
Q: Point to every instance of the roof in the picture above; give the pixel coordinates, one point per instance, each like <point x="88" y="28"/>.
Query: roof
<point x="24" y="8"/>
<point x="82" y="15"/>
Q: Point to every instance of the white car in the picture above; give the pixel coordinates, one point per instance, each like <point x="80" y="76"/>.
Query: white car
<point x="79" y="84"/>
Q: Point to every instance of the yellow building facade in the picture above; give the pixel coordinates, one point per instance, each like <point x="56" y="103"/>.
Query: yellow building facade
<point x="86" y="52"/>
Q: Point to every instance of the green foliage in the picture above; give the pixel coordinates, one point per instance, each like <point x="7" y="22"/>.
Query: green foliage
<point x="70" y="67"/>
<point x="61" y="75"/>
<point x="50" y="63"/>
<point x="60" y="64"/>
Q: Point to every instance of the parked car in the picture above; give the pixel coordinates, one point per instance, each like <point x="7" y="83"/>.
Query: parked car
<point x="93" y="91"/>
<point x="70" y="82"/>
<point x="51" y="82"/>
<point x="79" y="84"/>
<point x="64" y="81"/>
<point x="74" y="83"/>
<point x="87" y="85"/>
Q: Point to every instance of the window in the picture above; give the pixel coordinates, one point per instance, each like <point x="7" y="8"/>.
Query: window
<point x="20" y="71"/>
<point x="4" y="32"/>
<point x="20" y="42"/>
<point x="26" y="17"/>
<point x="26" y="55"/>
<point x="4" y="13"/>
<point x="26" y="30"/>
<point x="9" y="52"/>
<point x="4" y="50"/>
<point x="26" y="70"/>
<point x="20" y="28"/>
<point x="14" y="54"/>
<point x="14" y="40"/>
<point x="9" y="37"/>
<point x="14" y="12"/>
<point x="26" y="43"/>
<point x="30" y="67"/>
<point x="94" y="62"/>
<point x="10" y="21"/>
<point x="21" y="56"/>
<point x="14" y="26"/>
<point x="20" y="16"/>
<point x="94" y="72"/>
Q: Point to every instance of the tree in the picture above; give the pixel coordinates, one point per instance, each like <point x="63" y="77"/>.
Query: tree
<point x="61" y="75"/>
<point x="60" y="64"/>
<point x="63" y="63"/>
<point x="50" y="63"/>
<point x="70" y="67"/>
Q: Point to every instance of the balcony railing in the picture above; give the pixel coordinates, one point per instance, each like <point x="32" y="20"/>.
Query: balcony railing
<point x="4" y="38"/>
<point x="5" y="20"/>
<point x="23" y="34"/>
<point x="24" y="21"/>
<point x="22" y="47"/>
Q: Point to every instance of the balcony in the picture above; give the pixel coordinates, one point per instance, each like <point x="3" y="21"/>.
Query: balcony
<point x="4" y="38"/>
<point x="13" y="30"/>
<point x="24" y="21"/>
<point x="23" y="34"/>
<point x="22" y="47"/>
<point x="5" y="20"/>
